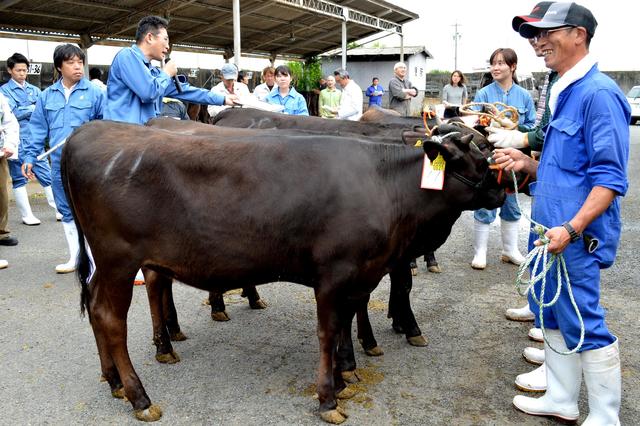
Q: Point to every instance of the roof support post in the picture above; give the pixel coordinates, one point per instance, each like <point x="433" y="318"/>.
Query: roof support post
<point x="236" y="33"/>
<point x="344" y="44"/>
<point x="402" y="47"/>
<point x="85" y="44"/>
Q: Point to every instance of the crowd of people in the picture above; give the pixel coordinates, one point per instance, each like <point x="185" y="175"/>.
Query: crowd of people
<point x="580" y="127"/>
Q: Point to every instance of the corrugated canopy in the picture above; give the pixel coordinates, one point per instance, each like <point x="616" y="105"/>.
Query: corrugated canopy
<point x="275" y="28"/>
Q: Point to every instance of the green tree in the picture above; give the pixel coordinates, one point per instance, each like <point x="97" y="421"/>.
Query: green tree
<point x="305" y="75"/>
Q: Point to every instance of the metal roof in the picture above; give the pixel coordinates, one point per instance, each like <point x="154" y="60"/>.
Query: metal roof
<point x="272" y="28"/>
<point x="381" y="51"/>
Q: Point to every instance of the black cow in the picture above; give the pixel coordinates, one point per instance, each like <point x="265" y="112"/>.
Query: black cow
<point x="331" y="214"/>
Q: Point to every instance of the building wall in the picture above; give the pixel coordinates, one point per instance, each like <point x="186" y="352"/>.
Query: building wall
<point x="362" y="73"/>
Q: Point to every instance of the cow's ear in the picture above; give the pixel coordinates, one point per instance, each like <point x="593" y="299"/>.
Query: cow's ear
<point x="449" y="152"/>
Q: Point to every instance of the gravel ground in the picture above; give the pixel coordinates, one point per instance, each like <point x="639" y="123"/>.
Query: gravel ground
<point x="260" y="367"/>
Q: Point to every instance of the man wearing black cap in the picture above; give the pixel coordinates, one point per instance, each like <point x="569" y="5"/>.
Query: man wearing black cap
<point x="580" y="178"/>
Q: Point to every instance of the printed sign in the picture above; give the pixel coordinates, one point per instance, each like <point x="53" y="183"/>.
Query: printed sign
<point x="35" y="69"/>
<point x="193" y="72"/>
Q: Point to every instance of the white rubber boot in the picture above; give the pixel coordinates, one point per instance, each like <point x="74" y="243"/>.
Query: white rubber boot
<point x="535" y="334"/>
<point x="533" y="381"/>
<point x="520" y="314"/>
<point x="71" y="234"/>
<point x="601" y="368"/>
<point x="22" y="201"/>
<point x="533" y="355"/>
<point x="3" y="263"/>
<point x="48" y="192"/>
<point x="564" y="375"/>
<point x="480" y="239"/>
<point x="510" y="252"/>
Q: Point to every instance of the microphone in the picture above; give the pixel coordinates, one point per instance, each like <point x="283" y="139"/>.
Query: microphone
<point x="175" y="77"/>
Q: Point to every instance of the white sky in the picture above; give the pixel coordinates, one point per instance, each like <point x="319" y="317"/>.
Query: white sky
<point x="485" y="25"/>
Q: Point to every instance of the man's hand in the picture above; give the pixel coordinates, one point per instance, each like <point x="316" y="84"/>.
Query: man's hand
<point x="513" y="159"/>
<point x="503" y="138"/>
<point x="170" y="68"/>
<point x="559" y="239"/>
<point x="7" y="152"/>
<point x="231" y="100"/>
<point x="26" y="171"/>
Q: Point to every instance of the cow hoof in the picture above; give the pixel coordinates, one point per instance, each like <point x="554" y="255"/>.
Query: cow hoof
<point x="258" y="304"/>
<point x="170" y="358"/>
<point x="417" y="341"/>
<point x="375" y="351"/>
<point x="414" y="272"/>
<point x="350" y="376"/>
<point x="150" y="414"/>
<point x="220" y="316"/>
<point x="435" y="269"/>
<point x="333" y="416"/>
<point x="346" y="393"/>
<point x="102" y="378"/>
<point x="177" y="337"/>
<point x="118" y="393"/>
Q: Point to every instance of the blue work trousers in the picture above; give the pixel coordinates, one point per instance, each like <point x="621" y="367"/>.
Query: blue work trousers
<point x="509" y="212"/>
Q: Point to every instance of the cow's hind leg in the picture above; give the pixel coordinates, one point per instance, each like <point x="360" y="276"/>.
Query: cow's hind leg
<point x="329" y="378"/>
<point x="255" y="302"/>
<point x="218" y="309"/>
<point x="170" y="314"/>
<point x="365" y="331"/>
<point x="403" y="320"/>
<point x="109" y="303"/>
<point x="157" y="286"/>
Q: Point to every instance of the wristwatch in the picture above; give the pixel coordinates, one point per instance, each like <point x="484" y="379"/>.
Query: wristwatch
<point x="572" y="232"/>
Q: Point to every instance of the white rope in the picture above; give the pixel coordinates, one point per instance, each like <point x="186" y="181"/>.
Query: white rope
<point x="540" y="254"/>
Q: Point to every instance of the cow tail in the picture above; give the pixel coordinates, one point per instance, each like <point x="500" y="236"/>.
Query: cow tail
<point x="83" y="270"/>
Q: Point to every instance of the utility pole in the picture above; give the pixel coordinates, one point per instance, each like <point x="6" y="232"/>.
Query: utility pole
<point x="456" y="37"/>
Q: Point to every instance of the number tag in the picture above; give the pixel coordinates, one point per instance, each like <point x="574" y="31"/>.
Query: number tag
<point x="433" y="173"/>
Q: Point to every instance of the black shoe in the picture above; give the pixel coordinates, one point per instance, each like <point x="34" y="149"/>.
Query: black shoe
<point x="9" y="241"/>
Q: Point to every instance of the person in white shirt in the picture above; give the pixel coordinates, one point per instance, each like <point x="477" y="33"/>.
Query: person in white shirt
<point x="269" y="80"/>
<point x="351" y="101"/>
<point x="228" y="86"/>
<point x="9" y="140"/>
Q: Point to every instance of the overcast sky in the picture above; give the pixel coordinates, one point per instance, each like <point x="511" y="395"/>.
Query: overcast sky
<point x="485" y="25"/>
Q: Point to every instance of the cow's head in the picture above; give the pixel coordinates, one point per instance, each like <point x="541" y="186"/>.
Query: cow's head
<point x="467" y="170"/>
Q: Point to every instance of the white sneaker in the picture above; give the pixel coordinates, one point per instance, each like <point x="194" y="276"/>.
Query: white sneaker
<point x="520" y="314"/>
<point x="535" y="334"/>
<point x="533" y="355"/>
<point x="533" y="381"/>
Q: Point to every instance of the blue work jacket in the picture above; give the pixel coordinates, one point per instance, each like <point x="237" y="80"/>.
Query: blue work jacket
<point x="55" y="118"/>
<point x="374" y="99"/>
<point x="22" y="101"/>
<point x="135" y="89"/>
<point x="516" y="97"/>
<point x="586" y="145"/>
<point x="294" y="103"/>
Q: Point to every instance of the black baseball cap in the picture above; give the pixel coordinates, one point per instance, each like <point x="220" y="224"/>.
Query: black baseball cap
<point x="536" y="14"/>
<point x="561" y="15"/>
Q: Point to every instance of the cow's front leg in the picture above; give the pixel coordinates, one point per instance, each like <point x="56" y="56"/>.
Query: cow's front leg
<point x="255" y="302"/>
<point x="328" y="328"/>
<point x="400" y="312"/>
<point x="218" y="309"/>
<point x="157" y="285"/>
<point x="365" y="331"/>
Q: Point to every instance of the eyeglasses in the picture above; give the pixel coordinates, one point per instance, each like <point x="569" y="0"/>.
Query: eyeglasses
<point x="545" y="33"/>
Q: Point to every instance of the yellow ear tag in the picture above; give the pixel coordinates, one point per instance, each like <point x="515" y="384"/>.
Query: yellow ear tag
<point x="438" y="164"/>
<point x="418" y="143"/>
<point x="433" y="173"/>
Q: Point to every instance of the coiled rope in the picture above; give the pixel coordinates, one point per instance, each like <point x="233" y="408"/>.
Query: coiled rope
<point x="540" y="254"/>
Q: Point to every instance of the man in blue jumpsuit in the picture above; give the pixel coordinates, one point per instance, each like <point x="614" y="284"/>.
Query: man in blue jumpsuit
<point x="60" y="109"/>
<point x="22" y="97"/>
<point x="580" y="178"/>
<point x="135" y="87"/>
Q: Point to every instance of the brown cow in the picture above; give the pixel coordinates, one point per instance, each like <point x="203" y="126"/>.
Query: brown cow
<point x="327" y="213"/>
